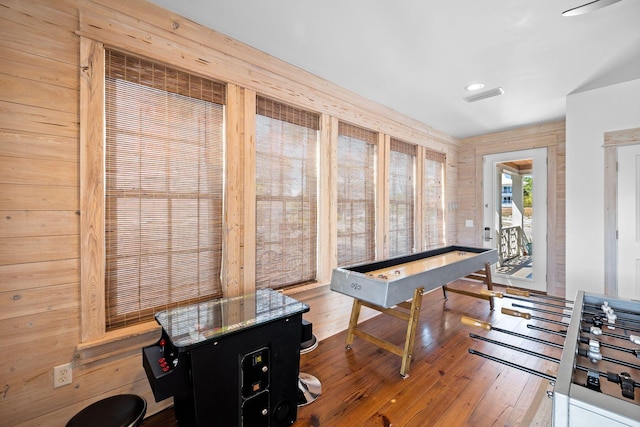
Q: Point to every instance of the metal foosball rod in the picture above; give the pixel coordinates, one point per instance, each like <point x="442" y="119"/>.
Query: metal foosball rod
<point x="513" y="365"/>
<point x="601" y="321"/>
<point x="528" y="316"/>
<point x="596" y="320"/>
<point x="627" y="384"/>
<point x="617" y="310"/>
<point x="621" y="323"/>
<point x="489" y="327"/>
<point x="598" y="331"/>
<point x="596" y="343"/>
<point x="619" y="316"/>
<point x="607" y="315"/>
<point x="540" y="310"/>
<point x="516" y="348"/>
<point x="594" y="330"/>
<point x="525" y="293"/>
<point x="592" y="354"/>
<point x="496" y="294"/>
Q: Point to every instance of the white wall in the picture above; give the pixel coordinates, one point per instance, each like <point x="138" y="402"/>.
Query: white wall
<point x="589" y="115"/>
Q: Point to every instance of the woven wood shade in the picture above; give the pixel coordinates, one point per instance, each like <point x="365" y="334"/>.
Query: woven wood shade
<point x="286" y="194"/>
<point x="401" y="198"/>
<point x="164" y="187"/>
<point x="433" y="200"/>
<point x="356" y="194"/>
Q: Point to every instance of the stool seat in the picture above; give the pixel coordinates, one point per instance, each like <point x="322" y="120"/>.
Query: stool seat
<point x="124" y="410"/>
<point x="309" y="345"/>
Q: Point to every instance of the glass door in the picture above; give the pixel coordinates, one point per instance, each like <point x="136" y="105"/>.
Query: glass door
<point x="515" y="215"/>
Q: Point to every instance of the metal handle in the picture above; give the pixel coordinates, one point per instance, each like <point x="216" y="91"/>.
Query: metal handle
<point x="487" y="234"/>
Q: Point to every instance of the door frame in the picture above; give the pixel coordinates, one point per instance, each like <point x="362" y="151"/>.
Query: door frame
<point x="490" y="190"/>
<point x="517" y="140"/>
<point x="613" y="140"/>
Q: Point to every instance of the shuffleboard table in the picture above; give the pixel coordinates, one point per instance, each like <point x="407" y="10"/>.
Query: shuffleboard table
<point x="395" y="287"/>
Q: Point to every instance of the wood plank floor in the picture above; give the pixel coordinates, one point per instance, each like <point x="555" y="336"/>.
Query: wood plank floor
<point x="446" y="386"/>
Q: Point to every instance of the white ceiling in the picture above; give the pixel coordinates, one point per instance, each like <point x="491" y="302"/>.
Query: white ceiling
<point x="416" y="56"/>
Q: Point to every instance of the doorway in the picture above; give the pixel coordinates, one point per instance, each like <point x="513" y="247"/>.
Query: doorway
<point x="515" y="216"/>
<point x="628" y="222"/>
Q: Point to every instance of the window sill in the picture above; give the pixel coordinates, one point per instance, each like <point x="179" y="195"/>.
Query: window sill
<point x="119" y="342"/>
<point x="302" y="288"/>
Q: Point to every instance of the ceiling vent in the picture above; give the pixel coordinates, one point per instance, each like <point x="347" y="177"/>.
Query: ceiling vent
<point x="484" y="95"/>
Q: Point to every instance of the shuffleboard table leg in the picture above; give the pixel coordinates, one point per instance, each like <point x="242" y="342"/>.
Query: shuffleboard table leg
<point x="353" y="322"/>
<point x="414" y="317"/>
<point x="487" y="272"/>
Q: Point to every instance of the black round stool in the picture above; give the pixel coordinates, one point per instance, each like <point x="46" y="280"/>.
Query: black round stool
<point x="123" y="410"/>
<point x="309" y="387"/>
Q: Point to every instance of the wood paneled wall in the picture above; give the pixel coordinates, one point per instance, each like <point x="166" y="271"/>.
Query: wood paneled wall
<point x="472" y="150"/>
<point x="40" y="238"/>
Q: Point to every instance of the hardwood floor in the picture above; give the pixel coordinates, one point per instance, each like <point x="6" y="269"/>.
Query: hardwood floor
<point x="446" y="386"/>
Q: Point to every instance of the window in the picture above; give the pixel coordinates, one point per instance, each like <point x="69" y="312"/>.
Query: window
<point x="286" y="194"/>
<point x="163" y="192"/>
<point x="433" y="200"/>
<point x="356" y="194"/>
<point x="401" y="198"/>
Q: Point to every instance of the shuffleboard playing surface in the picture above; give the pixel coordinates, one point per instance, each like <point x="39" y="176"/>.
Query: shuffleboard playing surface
<point x="391" y="281"/>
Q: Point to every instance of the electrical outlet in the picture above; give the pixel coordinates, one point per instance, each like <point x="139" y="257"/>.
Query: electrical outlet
<point x="61" y="375"/>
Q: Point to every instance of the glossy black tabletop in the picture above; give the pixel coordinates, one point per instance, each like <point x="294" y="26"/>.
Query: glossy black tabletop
<point x="209" y="320"/>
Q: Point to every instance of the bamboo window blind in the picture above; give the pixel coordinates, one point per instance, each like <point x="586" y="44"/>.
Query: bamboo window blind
<point x="401" y="197"/>
<point x="286" y="194"/>
<point x="164" y="187"/>
<point x="356" y="194"/>
<point x="433" y="200"/>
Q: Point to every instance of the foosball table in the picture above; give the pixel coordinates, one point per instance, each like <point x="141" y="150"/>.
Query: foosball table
<point x="599" y="369"/>
<point x="597" y="379"/>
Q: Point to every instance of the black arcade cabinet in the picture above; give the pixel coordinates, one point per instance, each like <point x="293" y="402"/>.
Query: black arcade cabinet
<point x="229" y="362"/>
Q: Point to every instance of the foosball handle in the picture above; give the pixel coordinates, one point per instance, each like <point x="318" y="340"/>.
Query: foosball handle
<point x="515" y="313"/>
<point x="491" y="293"/>
<point x="475" y="322"/>
<point x="519" y="292"/>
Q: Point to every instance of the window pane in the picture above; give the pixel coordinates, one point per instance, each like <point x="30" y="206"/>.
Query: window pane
<point x="286" y="195"/>
<point x="356" y="194"/>
<point x="433" y="200"/>
<point x="401" y="198"/>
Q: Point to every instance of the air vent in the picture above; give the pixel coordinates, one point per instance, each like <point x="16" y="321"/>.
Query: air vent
<point x="484" y="95"/>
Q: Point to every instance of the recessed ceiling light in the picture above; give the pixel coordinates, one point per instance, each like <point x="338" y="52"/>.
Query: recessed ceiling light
<point x="474" y="86"/>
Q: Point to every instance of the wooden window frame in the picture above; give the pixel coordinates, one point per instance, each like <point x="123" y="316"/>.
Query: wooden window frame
<point x="95" y="341"/>
<point x="164" y="176"/>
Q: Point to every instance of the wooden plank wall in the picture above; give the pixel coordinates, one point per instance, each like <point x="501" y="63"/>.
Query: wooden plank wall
<point x="39" y="184"/>
<point x="549" y="135"/>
